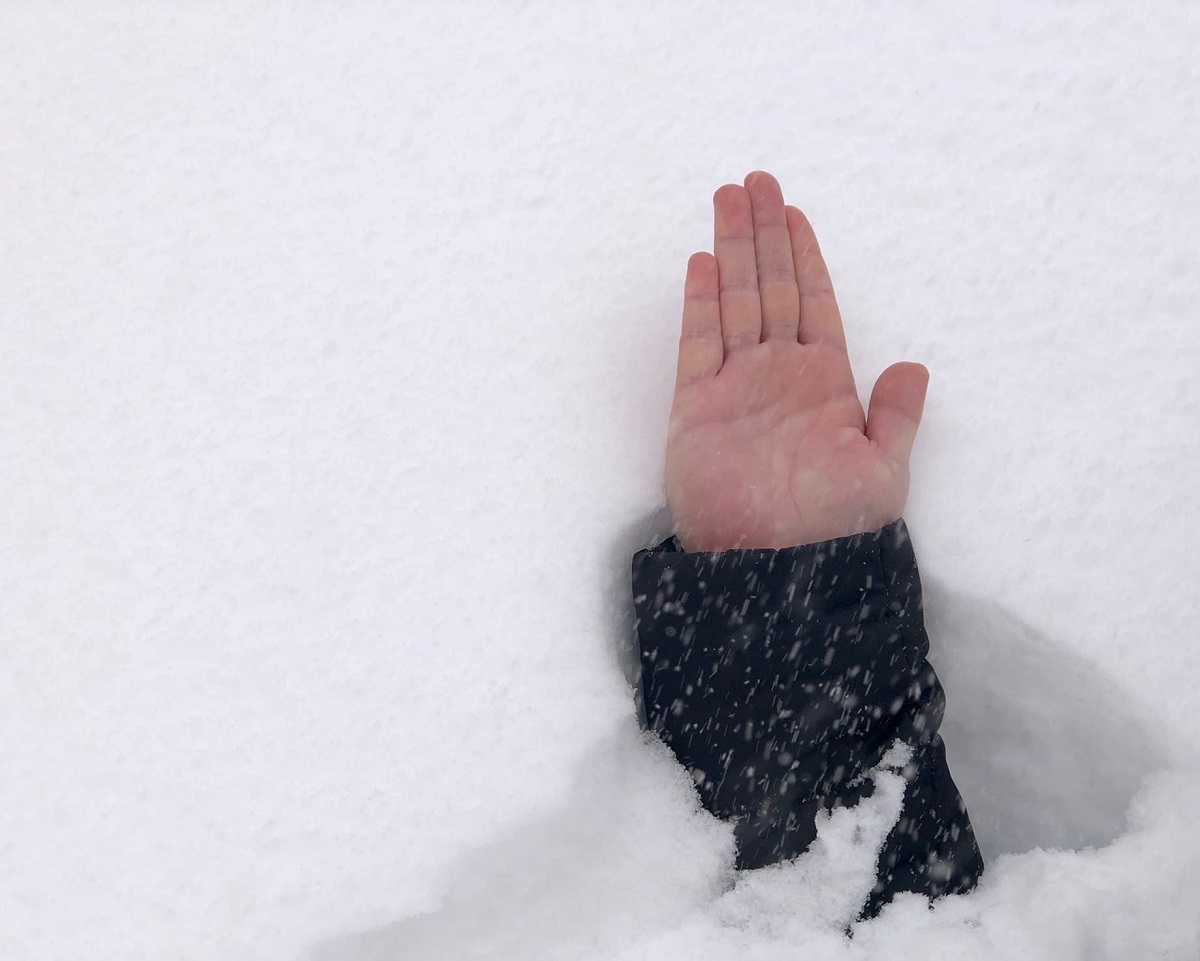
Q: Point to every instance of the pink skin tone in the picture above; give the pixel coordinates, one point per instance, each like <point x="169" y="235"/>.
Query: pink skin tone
<point x="768" y="446"/>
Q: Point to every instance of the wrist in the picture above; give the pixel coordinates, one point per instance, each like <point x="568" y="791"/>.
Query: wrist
<point x="717" y="538"/>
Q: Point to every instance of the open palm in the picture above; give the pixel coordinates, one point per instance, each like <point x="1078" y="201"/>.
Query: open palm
<point x="768" y="445"/>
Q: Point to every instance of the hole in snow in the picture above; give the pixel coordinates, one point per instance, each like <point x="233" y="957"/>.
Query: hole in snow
<point x="1045" y="748"/>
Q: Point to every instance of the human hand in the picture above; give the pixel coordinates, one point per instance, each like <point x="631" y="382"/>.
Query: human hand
<point x="767" y="445"/>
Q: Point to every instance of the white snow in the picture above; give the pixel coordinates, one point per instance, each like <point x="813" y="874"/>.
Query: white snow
<point x="337" y="347"/>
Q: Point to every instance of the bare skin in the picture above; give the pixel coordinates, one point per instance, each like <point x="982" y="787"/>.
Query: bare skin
<point x="768" y="446"/>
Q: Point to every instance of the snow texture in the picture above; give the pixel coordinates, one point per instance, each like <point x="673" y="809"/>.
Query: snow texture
<point x="337" y="350"/>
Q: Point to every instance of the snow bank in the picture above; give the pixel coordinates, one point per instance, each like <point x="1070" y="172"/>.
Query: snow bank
<point x="337" y="354"/>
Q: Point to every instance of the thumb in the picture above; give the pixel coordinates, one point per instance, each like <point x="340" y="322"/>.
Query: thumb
<point x="895" y="409"/>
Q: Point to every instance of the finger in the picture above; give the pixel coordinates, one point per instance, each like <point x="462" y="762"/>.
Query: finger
<point x="700" y="350"/>
<point x="777" y="291"/>
<point x="741" y="317"/>
<point x="894" y="413"/>
<point x="820" y="320"/>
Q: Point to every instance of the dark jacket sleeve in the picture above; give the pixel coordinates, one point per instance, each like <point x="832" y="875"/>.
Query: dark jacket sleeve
<point x="780" y="678"/>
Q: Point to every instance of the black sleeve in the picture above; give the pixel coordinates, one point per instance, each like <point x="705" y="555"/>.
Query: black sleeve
<point x="779" y="678"/>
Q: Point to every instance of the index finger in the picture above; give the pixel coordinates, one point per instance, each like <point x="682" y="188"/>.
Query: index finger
<point x="820" y="319"/>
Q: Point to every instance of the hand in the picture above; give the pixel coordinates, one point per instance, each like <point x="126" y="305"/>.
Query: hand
<point x="768" y="445"/>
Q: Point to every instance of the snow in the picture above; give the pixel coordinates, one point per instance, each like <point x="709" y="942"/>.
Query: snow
<point x="337" y="356"/>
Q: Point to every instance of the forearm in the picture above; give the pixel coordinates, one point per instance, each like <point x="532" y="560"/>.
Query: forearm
<point x="780" y="677"/>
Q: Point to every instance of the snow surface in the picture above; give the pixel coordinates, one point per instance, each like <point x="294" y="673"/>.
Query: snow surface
<point x="337" y="350"/>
